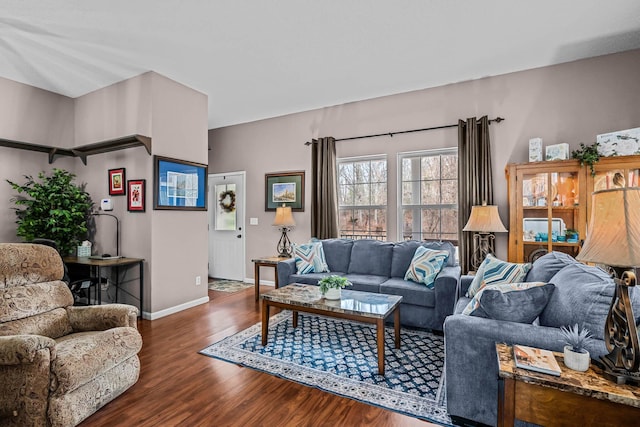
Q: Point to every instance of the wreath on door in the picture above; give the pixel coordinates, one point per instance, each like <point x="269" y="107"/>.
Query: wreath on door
<point x="227" y="201"/>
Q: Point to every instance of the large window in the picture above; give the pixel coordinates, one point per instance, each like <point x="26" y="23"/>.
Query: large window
<point x="429" y="189"/>
<point x="362" y="197"/>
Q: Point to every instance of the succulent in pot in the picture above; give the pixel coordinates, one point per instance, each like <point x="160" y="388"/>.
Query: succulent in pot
<point x="576" y="356"/>
<point x="330" y="286"/>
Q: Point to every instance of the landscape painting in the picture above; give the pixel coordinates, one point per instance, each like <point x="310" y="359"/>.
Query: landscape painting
<point x="284" y="188"/>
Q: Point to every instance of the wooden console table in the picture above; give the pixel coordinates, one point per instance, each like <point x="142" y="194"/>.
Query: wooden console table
<point x="572" y="399"/>
<point x="268" y="261"/>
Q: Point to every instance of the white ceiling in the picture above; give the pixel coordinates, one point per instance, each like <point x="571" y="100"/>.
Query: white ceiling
<point x="259" y="59"/>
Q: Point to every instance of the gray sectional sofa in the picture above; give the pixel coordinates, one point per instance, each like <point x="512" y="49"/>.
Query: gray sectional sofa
<point x="582" y="295"/>
<point x="376" y="266"/>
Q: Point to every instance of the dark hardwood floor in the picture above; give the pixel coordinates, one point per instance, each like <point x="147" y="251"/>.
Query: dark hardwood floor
<point x="179" y="387"/>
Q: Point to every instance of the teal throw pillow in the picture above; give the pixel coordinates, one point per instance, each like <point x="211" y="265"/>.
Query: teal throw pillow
<point x="310" y="258"/>
<point x="511" y="302"/>
<point x="425" y="265"/>
<point x="493" y="271"/>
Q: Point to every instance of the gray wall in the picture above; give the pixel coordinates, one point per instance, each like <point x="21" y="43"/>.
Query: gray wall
<point x="570" y="103"/>
<point x="175" y="117"/>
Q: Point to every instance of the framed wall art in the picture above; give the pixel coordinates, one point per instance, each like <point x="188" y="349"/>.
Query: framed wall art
<point x="179" y="184"/>
<point x="117" y="182"/>
<point x="284" y="188"/>
<point x="136" y="199"/>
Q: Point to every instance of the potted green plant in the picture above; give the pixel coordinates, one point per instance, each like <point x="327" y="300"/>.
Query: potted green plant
<point x="587" y="154"/>
<point x="52" y="207"/>
<point x="576" y="356"/>
<point x="330" y="286"/>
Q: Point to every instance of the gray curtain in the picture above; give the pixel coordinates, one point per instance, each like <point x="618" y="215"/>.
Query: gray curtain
<point x="324" y="190"/>
<point x="475" y="179"/>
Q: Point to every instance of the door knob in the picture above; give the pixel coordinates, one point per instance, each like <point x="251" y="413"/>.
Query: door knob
<point x="239" y="236"/>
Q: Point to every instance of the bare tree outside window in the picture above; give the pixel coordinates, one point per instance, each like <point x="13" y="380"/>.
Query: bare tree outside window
<point x="362" y="198"/>
<point x="429" y="189"/>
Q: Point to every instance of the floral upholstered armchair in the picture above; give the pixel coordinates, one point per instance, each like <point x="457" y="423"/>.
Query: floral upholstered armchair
<point x="58" y="363"/>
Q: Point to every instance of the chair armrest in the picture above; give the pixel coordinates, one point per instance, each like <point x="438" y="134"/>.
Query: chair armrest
<point x="20" y="349"/>
<point x="102" y="317"/>
<point x="285" y="270"/>
<point x="446" y="287"/>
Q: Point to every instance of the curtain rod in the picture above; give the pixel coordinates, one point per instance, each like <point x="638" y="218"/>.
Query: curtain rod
<point x="497" y="120"/>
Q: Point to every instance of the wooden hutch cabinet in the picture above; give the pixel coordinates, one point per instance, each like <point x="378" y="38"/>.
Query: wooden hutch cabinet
<point x="549" y="202"/>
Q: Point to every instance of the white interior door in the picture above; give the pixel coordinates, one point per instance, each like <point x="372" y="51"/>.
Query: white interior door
<point x="226" y="226"/>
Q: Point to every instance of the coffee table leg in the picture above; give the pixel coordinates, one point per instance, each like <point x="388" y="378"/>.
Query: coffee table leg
<point x="265" y="321"/>
<point x="380" y="333"/>
<point x="396" y="325"/>
<point x="295" y="319"/>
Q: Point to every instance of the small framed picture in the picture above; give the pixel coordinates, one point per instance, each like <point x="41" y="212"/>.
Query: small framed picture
<point x="557" y="152"/>
<point x="117" y="182"/>
<point x="137" y="195"/>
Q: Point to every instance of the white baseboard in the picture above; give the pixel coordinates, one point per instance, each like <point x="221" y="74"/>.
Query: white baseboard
<point x="262" y="282"/>
<point x="175" y="309"/>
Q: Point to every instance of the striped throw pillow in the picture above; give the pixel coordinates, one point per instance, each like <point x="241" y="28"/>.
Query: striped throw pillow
<point x="425" y="265"/>
<point x="493" y="271"/>
<point x="310" y="258"/>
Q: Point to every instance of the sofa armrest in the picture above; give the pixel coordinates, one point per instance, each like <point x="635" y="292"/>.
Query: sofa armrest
<point x="102" y="317"/>
<point x="446" y="287"/>
<point x="472" y="365"/>
<point x="20" y="349"/>
<point x="285" y="269"/>
<point x="465" y="282"/>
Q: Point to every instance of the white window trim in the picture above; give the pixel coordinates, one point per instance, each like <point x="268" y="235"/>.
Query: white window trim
<point x="400" y="156"/>
<point x="371" y="157"/>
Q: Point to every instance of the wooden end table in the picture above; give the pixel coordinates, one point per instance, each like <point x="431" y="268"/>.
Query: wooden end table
<point x="268" y="261"/>
<point x="360" y="306"/>
<point x="572" y="399"/>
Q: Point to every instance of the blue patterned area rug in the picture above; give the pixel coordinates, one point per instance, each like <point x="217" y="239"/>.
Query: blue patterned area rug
<point x="340" y="357"/>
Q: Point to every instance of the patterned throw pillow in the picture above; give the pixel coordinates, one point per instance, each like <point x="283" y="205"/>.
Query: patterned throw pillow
<point x="512" y="302"/>
<point x="493" y="271"/>
<point x="310" y="258"/>
<point x="425" y="265"/>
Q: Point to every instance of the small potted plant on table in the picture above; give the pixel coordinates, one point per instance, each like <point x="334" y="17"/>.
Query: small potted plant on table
<point x="330" y="286"/>
<point x="576" y="356"/>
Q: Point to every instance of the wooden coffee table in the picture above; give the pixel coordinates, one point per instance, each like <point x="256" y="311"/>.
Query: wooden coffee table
<point x="354" y="305"/>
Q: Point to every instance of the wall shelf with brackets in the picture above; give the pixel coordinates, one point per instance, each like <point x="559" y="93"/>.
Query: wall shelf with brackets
<point x="84" y="150"/>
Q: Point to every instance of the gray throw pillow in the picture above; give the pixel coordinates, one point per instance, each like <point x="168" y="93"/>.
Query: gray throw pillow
<point x="545" y="267"/>
<point x="583" y="295"/>
<point x="511" y="302"/>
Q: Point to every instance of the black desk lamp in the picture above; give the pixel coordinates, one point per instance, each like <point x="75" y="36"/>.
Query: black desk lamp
<point x="117" y="229"/>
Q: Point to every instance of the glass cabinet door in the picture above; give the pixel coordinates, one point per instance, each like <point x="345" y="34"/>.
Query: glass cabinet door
<point x="615" y="178"/>
<point x="550" y="213"/>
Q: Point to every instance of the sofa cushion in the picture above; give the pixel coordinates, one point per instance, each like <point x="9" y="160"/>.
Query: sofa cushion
<point x="337" y="253"/>
<point x="583" y="295"/>
<point x="425" y="265"/>
<point x="545" y="267"/>
<point x="401" y="257"/>
<point x="371" y="257"/>
<point x="443" y="246"/>
<point x="310" y="258"/>
<point x="511" y="302"/>
<point x="493" y="271"/>
<point x="403" y="254"/>
<point x="83" y="356"/>
<point x="411" y="292"/>
<point x="365" y="282"/>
